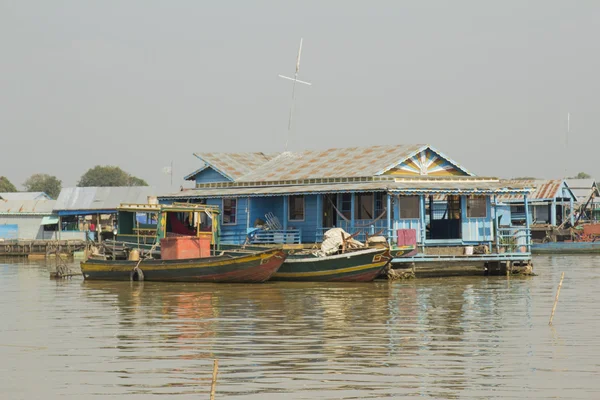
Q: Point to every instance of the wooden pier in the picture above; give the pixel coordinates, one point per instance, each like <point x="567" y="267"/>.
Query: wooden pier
<point x="40" y="248"/>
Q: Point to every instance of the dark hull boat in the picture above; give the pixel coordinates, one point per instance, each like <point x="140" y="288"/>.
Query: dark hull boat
<point x="352" y="266"/>
<point x="248" y="268"/>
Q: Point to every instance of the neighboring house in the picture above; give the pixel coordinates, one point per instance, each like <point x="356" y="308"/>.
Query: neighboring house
<point x="24" y="196"/>
<point x="551" y="203"/>
<point x="362" y="190"/>
<point x="79" y="207"/>
<point x="27" y="219"/>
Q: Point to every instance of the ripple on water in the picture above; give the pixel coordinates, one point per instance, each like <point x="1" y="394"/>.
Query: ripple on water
<point x="471" y="337"/>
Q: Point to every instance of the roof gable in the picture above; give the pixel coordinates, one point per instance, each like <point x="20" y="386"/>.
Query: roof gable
<point x="426" y="161"/>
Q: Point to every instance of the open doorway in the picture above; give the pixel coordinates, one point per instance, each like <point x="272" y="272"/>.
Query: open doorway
<point x="329" y="213"/>
<point x="445" y="217"/>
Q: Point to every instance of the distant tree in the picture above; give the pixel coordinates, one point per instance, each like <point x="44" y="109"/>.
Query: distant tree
<point x="48" y="184"/>
<point x="6" y="185"/>
<point x="581" y="175"/>
<point x="109" y="175"/>
<point x="135" y="181"/>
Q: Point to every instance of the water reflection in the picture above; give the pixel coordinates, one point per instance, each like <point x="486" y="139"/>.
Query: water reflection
<point x="437" y="338"/>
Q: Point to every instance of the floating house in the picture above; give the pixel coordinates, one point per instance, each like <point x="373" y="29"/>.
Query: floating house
<point x="412" y="194"/>
<point x="18" y="196"/>
<point x="85" y="209"/>
<point x="28" y="220"/>
<point x="550" y="203"/>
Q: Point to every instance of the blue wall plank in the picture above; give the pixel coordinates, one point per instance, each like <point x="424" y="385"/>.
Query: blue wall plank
<point x="233" y="233"/>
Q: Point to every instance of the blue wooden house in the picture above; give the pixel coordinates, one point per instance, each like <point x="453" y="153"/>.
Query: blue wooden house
<point x="550" y="202"/>
<point x="293" y="197"/>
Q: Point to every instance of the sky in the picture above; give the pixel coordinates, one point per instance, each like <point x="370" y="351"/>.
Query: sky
<point x="141" y="84"/>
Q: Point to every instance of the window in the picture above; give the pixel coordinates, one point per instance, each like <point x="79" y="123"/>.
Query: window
<point x="409" y="207"/>
<point x="229" y="211"/>
<point x="296" y="208"/>
<point x="364" y="206"/>
<point x="476" y="207"/>
<point x="346" y="205"/>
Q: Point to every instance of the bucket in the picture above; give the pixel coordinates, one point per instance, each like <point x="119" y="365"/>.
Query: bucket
<point x="468" y="250"/>
<point x="134" y="255"/>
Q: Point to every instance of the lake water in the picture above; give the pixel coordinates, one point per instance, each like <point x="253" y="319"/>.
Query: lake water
<point x="451" y="338"/>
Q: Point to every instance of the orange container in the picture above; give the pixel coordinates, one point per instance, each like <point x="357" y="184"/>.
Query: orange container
<point x="591" y="229"/>
<point x="183" y="247"/>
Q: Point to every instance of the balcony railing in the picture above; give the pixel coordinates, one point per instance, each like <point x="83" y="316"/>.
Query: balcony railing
<point x="289" y="236"/>
<point x="513" y="240"/>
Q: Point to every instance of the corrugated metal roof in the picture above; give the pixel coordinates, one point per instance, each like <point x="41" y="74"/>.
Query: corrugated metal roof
<point x="332" y="163"/>
<point x="234" y="165"/>
<point x="40" y="207"/>
<point x="101" y="198"/>
<point x="580" y="183"/>
<point x="24" y="196"/>
<point x="542" y="189"/>
<point x="309" y="164"/>
<point x="433" y="186"/>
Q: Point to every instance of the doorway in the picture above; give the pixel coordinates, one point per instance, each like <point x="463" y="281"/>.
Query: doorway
<point x="329" y="213"/>
<point x="445" y="217"/>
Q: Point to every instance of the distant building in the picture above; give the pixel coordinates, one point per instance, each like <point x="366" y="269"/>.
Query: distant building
<point x="28" y="219"/>
<point x="24" y="196"/>
<point x="550" y="203"/>
<point x="80" y="207"/>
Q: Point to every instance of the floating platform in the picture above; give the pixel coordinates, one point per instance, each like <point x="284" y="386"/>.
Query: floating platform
<point x="40" y="248"/>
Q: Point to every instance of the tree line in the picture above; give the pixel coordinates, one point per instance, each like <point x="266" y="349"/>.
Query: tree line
<point x="100" y="175"/>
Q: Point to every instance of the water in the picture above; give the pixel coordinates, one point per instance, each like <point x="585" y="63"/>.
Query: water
<point x="475" y="337"/>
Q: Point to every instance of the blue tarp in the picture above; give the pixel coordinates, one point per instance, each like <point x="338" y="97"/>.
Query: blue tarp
<point x="9" y="231"/>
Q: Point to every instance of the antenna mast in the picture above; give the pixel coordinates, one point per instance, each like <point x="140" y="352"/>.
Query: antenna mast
<point x="294" y="79"/>
<point x="567" y="138"/>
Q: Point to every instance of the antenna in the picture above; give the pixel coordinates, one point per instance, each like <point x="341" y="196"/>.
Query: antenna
<point x="567" y="138"/>
<point x="295" y="80"/>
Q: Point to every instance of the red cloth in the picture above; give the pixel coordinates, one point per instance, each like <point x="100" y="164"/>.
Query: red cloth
<point x="179" y="227"/>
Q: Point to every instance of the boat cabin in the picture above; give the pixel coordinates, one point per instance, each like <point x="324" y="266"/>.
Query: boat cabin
<point x="145" y="226"/>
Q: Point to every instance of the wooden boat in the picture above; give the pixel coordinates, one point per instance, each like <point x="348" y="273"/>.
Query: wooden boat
<point x="248" y="268"/>
<point x="566" y="248"/>
<point x="352" y="266"/>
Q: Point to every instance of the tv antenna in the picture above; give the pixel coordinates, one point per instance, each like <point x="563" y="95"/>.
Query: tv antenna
<point x="295" y="80"/>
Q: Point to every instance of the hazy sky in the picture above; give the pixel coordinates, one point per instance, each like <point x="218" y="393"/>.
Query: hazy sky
<point x="140" y="83"/>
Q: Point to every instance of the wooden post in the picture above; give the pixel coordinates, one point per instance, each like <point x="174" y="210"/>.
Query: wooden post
<point x="352" y="211"/>
<point x="422" y="220"/>
<point x="527" y="226"/>
<point x="286" y="212"/>
<point x="562" y="276"/>
<point x="388" y="234"/>
<point x="213" y="386"/>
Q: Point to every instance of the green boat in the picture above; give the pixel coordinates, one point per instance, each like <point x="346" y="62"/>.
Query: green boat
<point x="352" y="266"/>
